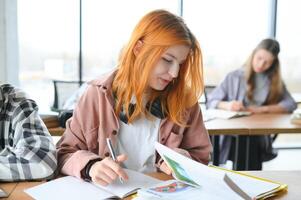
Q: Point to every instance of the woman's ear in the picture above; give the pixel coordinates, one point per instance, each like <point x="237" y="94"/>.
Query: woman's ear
<point x="137" y="47"/>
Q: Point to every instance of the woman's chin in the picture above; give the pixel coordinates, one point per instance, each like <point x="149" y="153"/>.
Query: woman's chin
<point x="159" y="87"/>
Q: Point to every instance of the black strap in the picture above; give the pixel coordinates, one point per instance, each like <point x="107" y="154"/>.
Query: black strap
<point x="86" y="170"/>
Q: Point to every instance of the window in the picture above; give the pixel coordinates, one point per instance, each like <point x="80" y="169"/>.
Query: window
<point x="49" y="39"/>
<point x="107" y="26"/>
<point x="48" y="46"/>
<point x="227" y="31"/>
<point x="288" y="33"/>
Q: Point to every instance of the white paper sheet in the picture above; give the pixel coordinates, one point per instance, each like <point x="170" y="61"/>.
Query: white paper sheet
<point x="224" y="114"/>
<point x="210" y="180"/>
<point x="69" y="187"/>
<point x="136" y="180"/>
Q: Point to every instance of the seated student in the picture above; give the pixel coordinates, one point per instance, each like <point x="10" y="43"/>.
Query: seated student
<point x="151" y="96"/>
<point x="27" y="151"/>
<point x="256" y="87"/>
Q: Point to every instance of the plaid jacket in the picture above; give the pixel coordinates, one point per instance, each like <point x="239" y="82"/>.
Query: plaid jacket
<point x="26" y="148"/>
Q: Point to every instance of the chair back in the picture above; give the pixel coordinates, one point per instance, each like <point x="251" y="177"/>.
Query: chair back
<point x="207" y="91"/>
<point x="62" y="91"/>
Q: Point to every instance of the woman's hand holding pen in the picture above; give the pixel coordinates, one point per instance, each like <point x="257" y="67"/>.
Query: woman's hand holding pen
<point x="104" y="172"/>
<point x="236" y="106"/>
<point x="231" y="105"/>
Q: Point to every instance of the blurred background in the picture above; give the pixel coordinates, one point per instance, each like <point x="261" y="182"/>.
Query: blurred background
<point x="77" y="40"/>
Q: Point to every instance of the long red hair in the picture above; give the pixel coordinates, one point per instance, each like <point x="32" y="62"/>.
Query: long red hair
<point x="158" y="30"/>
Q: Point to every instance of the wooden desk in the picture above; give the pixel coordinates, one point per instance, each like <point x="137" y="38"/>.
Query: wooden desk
<point x="16" y="190"/>
<point x="291" y="178"/>
<point x="50" y="121"/>
<point x="257" y="124"/>
<point x="243" y="127"/>
<point x="53" y="125"/>
<point x="57" y="131"/>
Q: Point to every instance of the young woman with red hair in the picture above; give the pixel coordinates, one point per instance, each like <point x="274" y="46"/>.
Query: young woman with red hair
<point x="151" y="96"/>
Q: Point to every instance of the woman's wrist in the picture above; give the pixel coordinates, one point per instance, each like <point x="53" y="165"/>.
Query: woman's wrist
<point x="86" y="170"/>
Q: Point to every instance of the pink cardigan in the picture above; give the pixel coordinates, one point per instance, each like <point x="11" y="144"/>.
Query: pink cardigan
<point x="94" y="120"/>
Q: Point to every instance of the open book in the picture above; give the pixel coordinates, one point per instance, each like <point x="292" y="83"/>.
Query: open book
<point x="203" y="182"/>
<point x="224" y="114"/>
<point x="69" y="187"/>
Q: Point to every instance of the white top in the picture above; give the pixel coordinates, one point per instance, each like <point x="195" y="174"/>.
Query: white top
<point x="137" y="141"/>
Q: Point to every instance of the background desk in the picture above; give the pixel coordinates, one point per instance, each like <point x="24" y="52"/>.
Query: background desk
<point x="256" y="124"/>
<point x="243" y="127"/>
<point x="259" y="124"/>
<point x="291" y="178"/>
<point x="52" y="124"/>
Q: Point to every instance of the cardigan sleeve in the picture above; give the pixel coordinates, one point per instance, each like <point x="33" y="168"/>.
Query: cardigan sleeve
<point x="220" y="93"/>
<point x="287" y="100"/>
<point x="72" y="149"/>
<point x="195" y="138"/>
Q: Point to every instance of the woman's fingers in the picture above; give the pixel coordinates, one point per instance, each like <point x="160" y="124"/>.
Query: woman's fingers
<point x="99" y="181"/>
<point x="120" y="172"/>
<point x="236" y="106"/>
<point x="103" y="179"/>
<point x="121" y="158"/>
<point x="118" y="169"/>
<point x="107" y="170"/>
<point x="164" y="168"/>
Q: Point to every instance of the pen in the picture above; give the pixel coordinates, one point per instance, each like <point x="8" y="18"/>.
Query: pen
<point x="109" y="143"/>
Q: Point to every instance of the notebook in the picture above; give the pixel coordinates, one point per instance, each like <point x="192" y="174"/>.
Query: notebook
<point x="207" y="182"/>
<point x="69" y="187"/>
<point x="225" y="114"/>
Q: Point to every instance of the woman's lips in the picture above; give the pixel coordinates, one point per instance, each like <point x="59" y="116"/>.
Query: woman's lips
<point x="165" y="81"/>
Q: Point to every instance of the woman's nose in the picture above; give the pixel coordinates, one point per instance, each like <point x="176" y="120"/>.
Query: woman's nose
<point x="174" y="70"/>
